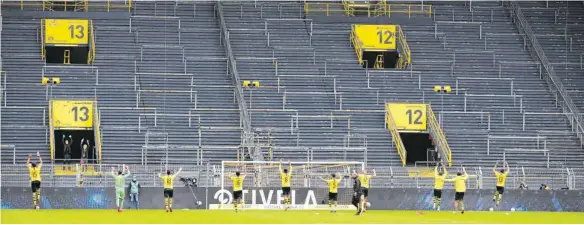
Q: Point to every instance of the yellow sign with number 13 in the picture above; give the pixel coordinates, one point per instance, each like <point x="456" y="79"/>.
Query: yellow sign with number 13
<point x="66" y="32"/>
<point x="72" y="114"/>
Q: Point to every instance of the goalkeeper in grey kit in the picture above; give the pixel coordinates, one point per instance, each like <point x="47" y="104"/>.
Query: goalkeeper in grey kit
<point x="357" y="200"/>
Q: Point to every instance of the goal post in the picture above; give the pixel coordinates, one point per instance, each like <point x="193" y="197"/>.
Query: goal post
<point x="262" y="184"/>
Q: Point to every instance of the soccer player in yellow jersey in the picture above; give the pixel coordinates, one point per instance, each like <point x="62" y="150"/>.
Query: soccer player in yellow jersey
<point x="501" y="178"/>
<point x="34" y="171"/>
<point x="439" y="177"/>
<point x="286" y="176"/>
<point x="365" y="179"/>
<point x="168" y="181"/>
<point x="460" y="188"/>
<point x="333" y="191"/>
<point x="238" y="188"/>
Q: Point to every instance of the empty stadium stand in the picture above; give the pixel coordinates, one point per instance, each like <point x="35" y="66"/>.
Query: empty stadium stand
<point x="167" y="92"/>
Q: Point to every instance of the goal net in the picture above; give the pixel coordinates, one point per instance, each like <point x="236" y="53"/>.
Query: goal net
<point x="262" y="184"/>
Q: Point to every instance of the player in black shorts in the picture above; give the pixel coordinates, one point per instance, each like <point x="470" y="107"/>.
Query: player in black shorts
<point x="286" y="176"/>
<point x="237" y="188"/>
<point x="34" y="171"/>
<point x="333" y="183"/>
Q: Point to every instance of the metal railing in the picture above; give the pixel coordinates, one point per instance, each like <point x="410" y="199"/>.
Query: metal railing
<point x="351" y="8"/>
<point x="91" y="52"/>
<point x="490" y="98"/>
<point x="248" y="139"/>
<point x="541" y="141"/>
<point x="553" y="81"/>
<point x="399" y="145"/>
<point x="486" y="79"/>
<point x="441" y="115"/>
<point x="521" y="151"/>
<point x="86" y="5"/>
<point x="438" y="135"/>
<point x="42" y="40"/>
<point x="97" y="130"/>
<point x="406" y="60"/>
<point x="526" y="114"/>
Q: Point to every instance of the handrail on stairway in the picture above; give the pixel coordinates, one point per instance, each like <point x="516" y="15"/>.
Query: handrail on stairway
<point x="551" y="79"/>
<point x="247" y="138"/>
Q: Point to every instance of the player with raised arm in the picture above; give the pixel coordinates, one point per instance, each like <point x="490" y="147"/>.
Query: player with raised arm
<point x="460" y="188"/>
<point x="238" y="187"/>
<point x="365" y="179"/>
<point x="34" y="172"/>
<point x="439" y="177"/>
<point x="168" y="181"/>
<point x="286" y="176"/>
<point x="120" y="183"/>
<point x="501" y="178"/>
<point x="333" y="183"/>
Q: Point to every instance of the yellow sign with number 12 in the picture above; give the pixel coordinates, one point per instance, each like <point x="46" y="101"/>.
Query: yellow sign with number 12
<point x="66" y="32"/>
<point x="72" y="114"/>
<point x="377" y="36"/>
<point x="409" y="116"/>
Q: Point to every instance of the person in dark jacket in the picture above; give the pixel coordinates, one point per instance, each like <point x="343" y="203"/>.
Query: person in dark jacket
<point x="357" y="194"/>
<point x="67" y="142"/>
<point x="84" y="146"/>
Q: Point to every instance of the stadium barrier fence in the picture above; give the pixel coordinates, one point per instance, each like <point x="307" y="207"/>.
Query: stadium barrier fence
<point x="302" y="198"/>
<point x="208" y="175"/>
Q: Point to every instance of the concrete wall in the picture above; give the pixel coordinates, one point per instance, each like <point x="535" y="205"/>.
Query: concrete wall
<point x="399" y="199"/>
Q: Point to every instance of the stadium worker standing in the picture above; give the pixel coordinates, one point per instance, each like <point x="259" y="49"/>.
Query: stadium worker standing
<point x="238" y="179"/>
<point x="168" y="181"/>
<point x="439" y="177"/>
<point x="286" y="176"/>
<point x="34" y="172"/>
<point x="333" y="183"/>
<point x="120" y="182"/>
<point x="365" y="182"/>
<point x="134" y="189"/>
<point x="501" y="178"/>
<point x="460" y="188"/>
<point x="67" y="142"/>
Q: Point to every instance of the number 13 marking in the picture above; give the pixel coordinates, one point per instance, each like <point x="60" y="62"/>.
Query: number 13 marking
<point x="83" y="110"/>
<point x="80" y="31"/>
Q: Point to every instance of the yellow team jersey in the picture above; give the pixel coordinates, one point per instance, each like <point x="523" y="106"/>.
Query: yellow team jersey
<point x="168" y="181"/>
<point x="501" y="178"/>
<point x="237" y="182"/>
<point x="439" y="180"/>
<point x="333" y="185"/>
<point x="460" y="183"/>
<point x="34" y="173"/>
<point x="286" y="177"/>
<point x="365" y="180"/>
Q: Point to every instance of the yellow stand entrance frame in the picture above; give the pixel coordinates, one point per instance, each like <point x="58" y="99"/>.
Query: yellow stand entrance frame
<point x="74" y="115"/>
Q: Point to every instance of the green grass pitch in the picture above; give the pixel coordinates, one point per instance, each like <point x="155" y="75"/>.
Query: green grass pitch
<point x="280" y="217"/>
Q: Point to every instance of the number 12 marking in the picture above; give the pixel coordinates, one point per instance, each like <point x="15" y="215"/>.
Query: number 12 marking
<point x="381" y="33"/>
<point x="411" y="115"/>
